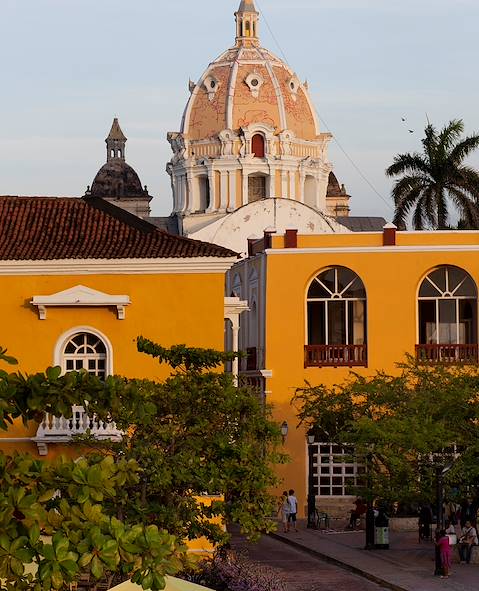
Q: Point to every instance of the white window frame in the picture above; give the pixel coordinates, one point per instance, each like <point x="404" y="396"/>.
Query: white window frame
<point x="59" y="349"/>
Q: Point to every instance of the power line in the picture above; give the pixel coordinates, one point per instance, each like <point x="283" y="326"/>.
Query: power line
<point x="358" y="170"/>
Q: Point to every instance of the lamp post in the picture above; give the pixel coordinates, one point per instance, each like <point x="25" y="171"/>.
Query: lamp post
<point x="284" y="431"/>
<point x="311" y="495"/>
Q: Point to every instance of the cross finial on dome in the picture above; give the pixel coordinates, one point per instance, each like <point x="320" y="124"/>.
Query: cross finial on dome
<point x="115" y="142"/>
<point x="247" y="23"/>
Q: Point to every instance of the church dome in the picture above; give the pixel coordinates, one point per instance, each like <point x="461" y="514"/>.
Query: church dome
<point x="248" y="85"/>
<point x="116" y="178"/>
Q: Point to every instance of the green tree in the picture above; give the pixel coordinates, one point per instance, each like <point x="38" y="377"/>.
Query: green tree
<point x="198" y="433"/>
<point x="430" y="181"/>
<point x="116" y="510"/>
<point x="56" y="519"/>
<point x="405" y="424"/>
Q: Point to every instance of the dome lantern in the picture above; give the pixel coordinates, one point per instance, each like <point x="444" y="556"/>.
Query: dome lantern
<point x="247" y="24"/>
<point x="115" y="142"/>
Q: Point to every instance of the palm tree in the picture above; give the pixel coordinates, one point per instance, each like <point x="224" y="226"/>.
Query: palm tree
<point x="431" y="181"/>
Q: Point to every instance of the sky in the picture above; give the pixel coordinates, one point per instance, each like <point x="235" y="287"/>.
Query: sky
<point x="69" y="66"/>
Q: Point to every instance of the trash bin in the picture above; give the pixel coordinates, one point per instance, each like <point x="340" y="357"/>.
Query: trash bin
<point x="381" y="530"/>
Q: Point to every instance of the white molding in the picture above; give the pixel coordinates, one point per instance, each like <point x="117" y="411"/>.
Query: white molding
<point x="375" y="249"/>
<point x="66" y="336"/>
<point x="234" y="306"/>
<point x="80" y="295"/>
<point x="119" y="266"/>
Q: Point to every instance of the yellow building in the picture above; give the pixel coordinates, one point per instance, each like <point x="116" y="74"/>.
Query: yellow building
<point x="80" y="279"/>
<point x="321" y="305"/>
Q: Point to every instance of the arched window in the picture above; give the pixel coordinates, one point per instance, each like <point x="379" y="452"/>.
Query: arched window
<point x="257" y="145"/>
<point x="85" y="351"/>
<point x="447" y="309"/>
<point x="336" y="317"/>
<point x="204" y="190"/>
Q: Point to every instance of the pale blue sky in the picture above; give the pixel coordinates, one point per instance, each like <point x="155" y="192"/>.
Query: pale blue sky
<point x="69" y="66"/>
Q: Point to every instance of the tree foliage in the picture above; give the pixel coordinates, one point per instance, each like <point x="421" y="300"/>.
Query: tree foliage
<point x="198" y="433"/>
<point x="119" y="507"/>
<point x="430" y="181"/>
<point x="56" y="516"/>
<point x="406" y="424"/>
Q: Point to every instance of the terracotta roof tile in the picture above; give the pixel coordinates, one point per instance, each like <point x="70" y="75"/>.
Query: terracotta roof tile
<point x="49" y="228"/>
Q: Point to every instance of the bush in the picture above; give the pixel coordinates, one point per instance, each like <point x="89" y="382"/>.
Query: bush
<point x="230" y="571"/>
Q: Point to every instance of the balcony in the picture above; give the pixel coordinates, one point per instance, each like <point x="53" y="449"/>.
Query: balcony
<point x="61" y="430"/>
<point x="335" y="355"/>
<point x="447" y="353"/>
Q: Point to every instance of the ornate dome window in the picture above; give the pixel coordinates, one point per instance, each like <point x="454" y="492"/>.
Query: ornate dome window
<point x="211" y="85"/>
<point x="293" y="85"/>
<point x="254" y="82"/>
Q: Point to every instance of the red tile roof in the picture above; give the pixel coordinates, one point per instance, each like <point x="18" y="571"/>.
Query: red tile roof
<point x="49" y="228"/>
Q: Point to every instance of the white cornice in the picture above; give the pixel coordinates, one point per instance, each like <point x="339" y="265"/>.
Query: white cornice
<point x="80" y="295"/>
<point x="376" y="249"/>
<point x="174" y="266"/>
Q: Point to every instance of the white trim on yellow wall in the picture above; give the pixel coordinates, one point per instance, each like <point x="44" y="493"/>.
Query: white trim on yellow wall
<point x="173" y="266"/>
<point x="80" y="295"/>
<point x="67" y="335"/>
<point x="375" y="249"/>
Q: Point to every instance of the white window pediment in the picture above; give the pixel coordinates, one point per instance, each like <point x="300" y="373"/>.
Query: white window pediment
<point x="80" y="295"/>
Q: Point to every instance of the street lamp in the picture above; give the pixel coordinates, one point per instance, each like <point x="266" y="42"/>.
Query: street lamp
<point x="284" y="431"/>
<point x="311" y="495"/>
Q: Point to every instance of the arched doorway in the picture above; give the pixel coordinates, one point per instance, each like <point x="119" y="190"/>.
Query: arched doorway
<point x="310" y="190"/>
<point x="257" y="145"/>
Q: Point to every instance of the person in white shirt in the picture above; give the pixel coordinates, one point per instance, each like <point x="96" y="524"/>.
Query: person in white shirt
<point x="467" y="540"/>
<point x="293" y="509"/>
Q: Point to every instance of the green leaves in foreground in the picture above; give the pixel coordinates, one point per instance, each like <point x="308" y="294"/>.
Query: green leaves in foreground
<point x="406" y="424"/>
<point x="56" y="523"/>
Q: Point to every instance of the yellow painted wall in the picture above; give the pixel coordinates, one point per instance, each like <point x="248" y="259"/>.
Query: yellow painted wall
<point x="169" y="309"/>
<point x="391" y="278"/>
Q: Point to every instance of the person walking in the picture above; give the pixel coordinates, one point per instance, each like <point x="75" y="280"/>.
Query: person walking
<point x="445" y="553"/>
<point x="467" y="541"/>
<point x="285" y="510"/>
<point x="293" y="509"/>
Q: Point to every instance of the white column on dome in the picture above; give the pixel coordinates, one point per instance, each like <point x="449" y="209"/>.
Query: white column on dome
<point x="271" y="182"/>
<point x="232" y="189"/>
<point x="224" y="190"/>
<point x="302" y="180"/>
<point x="284" y="184"/>
<point x="292" y="184"/>
<point x="190" y="186"/>
<point x="212" y="184"/>
<point x="245" y="187"/>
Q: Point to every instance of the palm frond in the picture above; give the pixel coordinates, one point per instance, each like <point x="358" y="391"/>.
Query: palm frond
<point x="408" y="163"/>
<point x="464" y="148"/>
<point x="451" y="133"/>
<point x="467" y="209"/>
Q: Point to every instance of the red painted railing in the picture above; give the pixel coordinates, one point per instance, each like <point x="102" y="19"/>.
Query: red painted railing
<point x="452" y="353"/>
<point x="335" y="355"/>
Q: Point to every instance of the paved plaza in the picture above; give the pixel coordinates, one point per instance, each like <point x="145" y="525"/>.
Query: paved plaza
<point x="300" y="571"/>
<point x="406" y="566"/>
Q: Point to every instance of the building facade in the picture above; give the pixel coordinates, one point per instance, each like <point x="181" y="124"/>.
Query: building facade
<point x="323" y="305"/>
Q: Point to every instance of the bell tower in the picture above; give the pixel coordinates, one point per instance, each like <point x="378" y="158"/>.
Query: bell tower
<point x="247" y="18"/>
<point x="115" y="142"/>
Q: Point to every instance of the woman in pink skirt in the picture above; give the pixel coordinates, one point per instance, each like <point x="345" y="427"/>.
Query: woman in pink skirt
<point x="446" y="553"/>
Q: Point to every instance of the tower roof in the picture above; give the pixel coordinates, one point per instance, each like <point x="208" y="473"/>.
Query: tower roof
<point x="115" y="132"/>
<point x="247" y="6"/>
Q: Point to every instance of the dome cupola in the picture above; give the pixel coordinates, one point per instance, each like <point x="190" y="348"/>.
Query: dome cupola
<point x="249" y="132"/>
<point x="117" y="181"/>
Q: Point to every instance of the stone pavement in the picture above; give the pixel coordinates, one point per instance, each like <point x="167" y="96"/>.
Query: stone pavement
<point x="406" y="566"/>
<point x="298" y="570"/>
